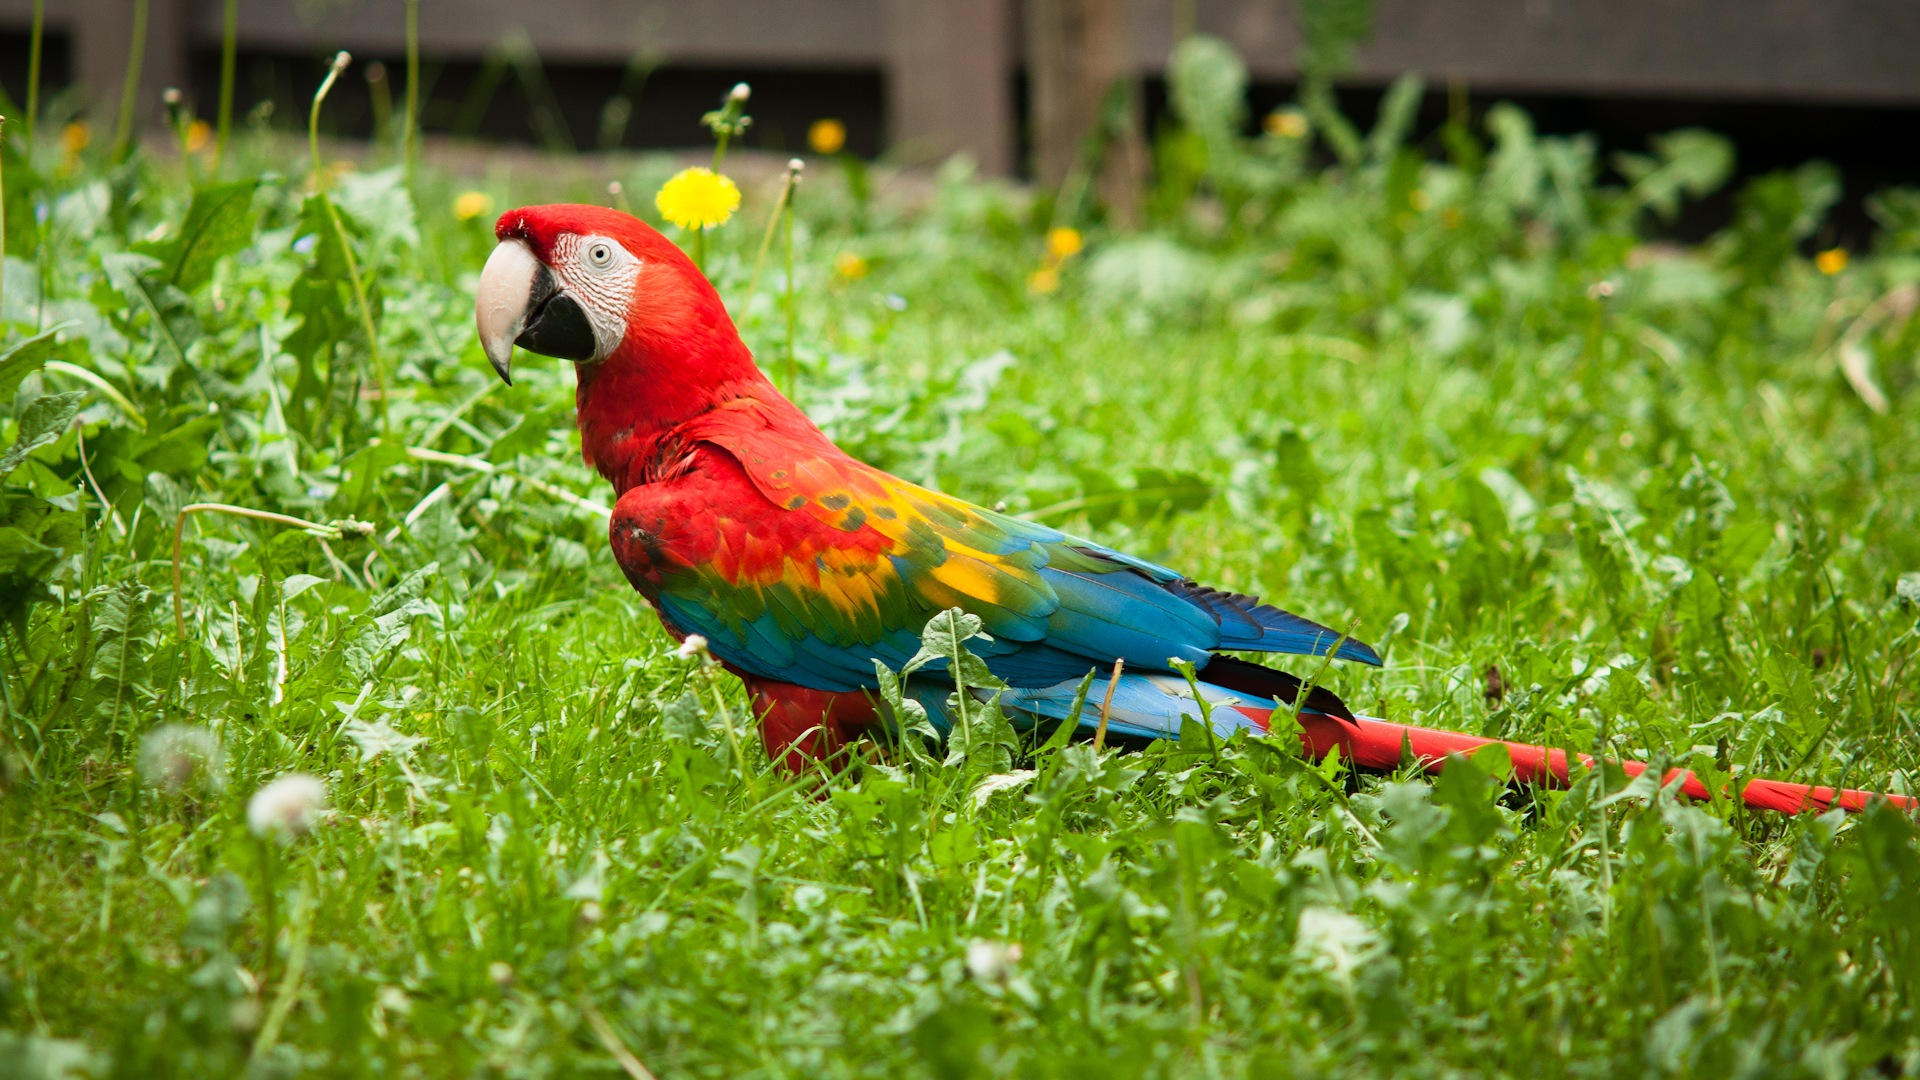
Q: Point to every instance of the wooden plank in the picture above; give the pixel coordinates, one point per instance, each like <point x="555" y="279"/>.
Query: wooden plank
<point x="950" y="81"/>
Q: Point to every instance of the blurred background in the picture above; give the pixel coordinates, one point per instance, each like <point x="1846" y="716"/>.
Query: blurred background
<point x="1028" y="88"/>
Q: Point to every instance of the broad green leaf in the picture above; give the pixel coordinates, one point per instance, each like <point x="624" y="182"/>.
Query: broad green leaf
<point x="219" y="223"/>
<point x="22" y="359"/>
<point x="43" y="421"/>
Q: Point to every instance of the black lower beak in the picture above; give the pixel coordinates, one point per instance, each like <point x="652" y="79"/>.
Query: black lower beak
<point x="557" y="327"/>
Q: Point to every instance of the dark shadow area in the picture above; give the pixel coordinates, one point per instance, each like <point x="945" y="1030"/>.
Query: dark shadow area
<point x="56" y="67"/>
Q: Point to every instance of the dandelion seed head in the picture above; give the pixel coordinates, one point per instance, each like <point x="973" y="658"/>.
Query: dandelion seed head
<point x="693" y="647"/>
<point x="698" y="198"/>
<point x="176" y="756"/>
<point x="287" y="807"/>
<point x="992" y="961"/>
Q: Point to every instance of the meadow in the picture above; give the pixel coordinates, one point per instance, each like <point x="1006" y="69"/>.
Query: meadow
<point x="1580" y="485"/>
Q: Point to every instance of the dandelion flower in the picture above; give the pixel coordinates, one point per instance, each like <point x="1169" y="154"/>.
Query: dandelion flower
<point x="698" y="198"/>
<point x="199" y="134"/>
<point x="1831" y="261"/>
<point x="827" y="137"/>
<point x="1044" y="280"/>
<point x="850" y="266"/>
<point x="1064" y="243"/>
<point x="174" y="756"/>
<point x="75" y="136"/>
<point x="693" y="647"/>
<point x="1285" y="124"/>
<point x="288" y="807"/>
<point x="471" y="204"/>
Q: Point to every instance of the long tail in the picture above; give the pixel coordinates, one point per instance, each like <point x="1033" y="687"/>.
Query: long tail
<point x="1241" y="696"/>
<point x="1378" y="744"/>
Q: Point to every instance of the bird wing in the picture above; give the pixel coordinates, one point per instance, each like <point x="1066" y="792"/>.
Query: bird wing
<point x="837" y="564"/>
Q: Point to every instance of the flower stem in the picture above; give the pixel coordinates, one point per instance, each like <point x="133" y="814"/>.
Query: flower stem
<point x="130" y="87"/>
<point x="773" y="222"/>
<point x="229" y="38"/>
<point x="793" y="364"/>
<point x="38" y="33"/>
<point x="340" y="62"/>
<point x="413" y="86"/>
<point x="328" y="532"/>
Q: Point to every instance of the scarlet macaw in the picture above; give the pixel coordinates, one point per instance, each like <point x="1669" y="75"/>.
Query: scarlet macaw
<point x="741" y="522"/>
<point x="802" y="567"/>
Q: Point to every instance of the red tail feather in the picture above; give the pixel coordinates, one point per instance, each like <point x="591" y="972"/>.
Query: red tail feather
<point x="1376" y="744"/>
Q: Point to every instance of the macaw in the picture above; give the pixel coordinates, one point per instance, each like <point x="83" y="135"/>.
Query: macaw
<point x="803" y="568"/>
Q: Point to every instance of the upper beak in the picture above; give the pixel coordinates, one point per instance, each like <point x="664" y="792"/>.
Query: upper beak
<point x="521" y="302"/>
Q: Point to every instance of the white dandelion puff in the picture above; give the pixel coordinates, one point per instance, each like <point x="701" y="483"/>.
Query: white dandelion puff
<point x="992" y="961"/>
<point x="288" y="807"/>
<point x="176" y="756"/>
<point x="694" y="647"/>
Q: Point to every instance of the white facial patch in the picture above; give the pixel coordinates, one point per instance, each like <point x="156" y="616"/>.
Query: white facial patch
<point x="601" y="274"/>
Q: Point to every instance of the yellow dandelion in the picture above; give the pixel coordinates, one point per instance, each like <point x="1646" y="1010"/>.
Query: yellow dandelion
<point x="698" y="198"/>
<point x="1064" y="243"/>
<point x="1831" y="261"/>
<point x="826" y="137"/>
<point x="1044" y="280"/>
<point x="1285" y="124"/>
<point x="199" y="134"/>
<point x="471" y="204"/>
<point x="75" y="136"/>
<point x="850" y="266"/>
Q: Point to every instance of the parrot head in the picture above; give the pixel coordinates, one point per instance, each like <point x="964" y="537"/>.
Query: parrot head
<point x="586" y="283"/>
<point x="650" y="340"/>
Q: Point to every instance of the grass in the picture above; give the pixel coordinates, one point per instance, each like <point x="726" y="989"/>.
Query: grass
<point x="1581" y="487"/>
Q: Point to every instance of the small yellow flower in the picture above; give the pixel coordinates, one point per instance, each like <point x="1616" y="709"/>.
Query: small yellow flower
<point x="826" y="137"/>
<point x="471" y="204"/>
<point x="75" y="136"/>
<point x="1285" y="124"/>
<point x="1064" y="243"/>
<point x="1831" y="261"/>
<point x="698" y="198"/>
<point x="1044" y="280"/>
<point x="850" y="266"/>
<point x="199" y="134"/>
<point x="1419" y="199"/>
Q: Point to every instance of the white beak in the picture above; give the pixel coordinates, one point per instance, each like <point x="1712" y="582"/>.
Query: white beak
<point x="505" y="299"/>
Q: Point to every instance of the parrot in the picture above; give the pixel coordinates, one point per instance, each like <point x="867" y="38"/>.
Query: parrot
<point x="806" y="571"/>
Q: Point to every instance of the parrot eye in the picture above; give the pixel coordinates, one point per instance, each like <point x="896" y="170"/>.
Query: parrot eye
<point x="599" y="255"/>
